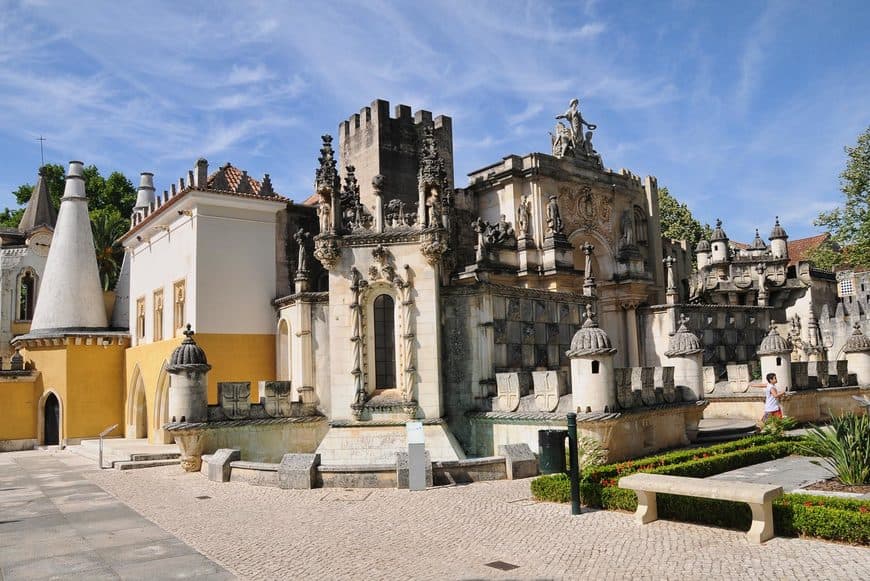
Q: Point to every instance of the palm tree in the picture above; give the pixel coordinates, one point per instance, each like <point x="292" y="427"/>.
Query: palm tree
<point x="107" y="226"/>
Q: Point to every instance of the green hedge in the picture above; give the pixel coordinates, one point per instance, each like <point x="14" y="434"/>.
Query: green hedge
<point x="795" y="514"/>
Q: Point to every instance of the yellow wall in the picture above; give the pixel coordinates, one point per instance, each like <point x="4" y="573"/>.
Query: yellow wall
<point x="20" y="328"/>
<point x="232" y="357"/>
<point x="51" y="363"/>
<point x="88" y="379"/>
<point x="18" y="402"/>
<point x="95" y="384"/>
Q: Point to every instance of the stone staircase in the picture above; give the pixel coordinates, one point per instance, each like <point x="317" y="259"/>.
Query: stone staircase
<point x="712" y="430"/>
<point x="128" y="454"/>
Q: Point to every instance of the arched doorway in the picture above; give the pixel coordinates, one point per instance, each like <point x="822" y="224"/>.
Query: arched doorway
<point x="51" y="421"/>
<point x="137" y="409"/>
<point x="161" y="409"/>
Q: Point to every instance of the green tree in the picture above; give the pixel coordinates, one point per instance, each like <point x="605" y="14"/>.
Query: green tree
<point x="826" y="255"/>
<point x="849" y="224"/>
<point x="110" y="201"/>
<point x="678" y="222"/>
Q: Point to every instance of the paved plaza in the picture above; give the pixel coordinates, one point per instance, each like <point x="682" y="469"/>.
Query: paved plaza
<point x="443" y="533"/>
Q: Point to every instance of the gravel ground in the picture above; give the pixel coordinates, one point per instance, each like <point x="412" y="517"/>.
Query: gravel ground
<point x="451" y="533"/>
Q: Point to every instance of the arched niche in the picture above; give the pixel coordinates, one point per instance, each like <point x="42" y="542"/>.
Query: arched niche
<point x="603" y="263"/>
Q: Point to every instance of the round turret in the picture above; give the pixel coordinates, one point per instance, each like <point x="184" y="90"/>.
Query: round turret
<point x="145" y="192"/>
<point x="685" y="352"/>
<point x="591" y="354"/>
<point x="702" y="252"/>
<point x="774" y="354"/>
<point x="758" y="247"/>
<point x="188" y="369"/>
<point x="719" y="243"/>
<point x="857" y="352"/>
<point x="778" y="241"/>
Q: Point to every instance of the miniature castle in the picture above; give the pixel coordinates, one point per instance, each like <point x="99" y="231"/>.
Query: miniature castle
<point x="485" y="312"/>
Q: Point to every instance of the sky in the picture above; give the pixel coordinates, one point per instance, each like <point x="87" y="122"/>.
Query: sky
<point x="740" y="108"/>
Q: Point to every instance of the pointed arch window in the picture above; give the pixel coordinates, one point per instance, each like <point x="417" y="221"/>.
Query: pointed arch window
<point x="640" y="225"/>
<point x="26" y="295"/>
<point x="385" y="342"/>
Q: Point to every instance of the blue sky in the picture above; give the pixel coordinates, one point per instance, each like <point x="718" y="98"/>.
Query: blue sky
<point x="741" y="108"/>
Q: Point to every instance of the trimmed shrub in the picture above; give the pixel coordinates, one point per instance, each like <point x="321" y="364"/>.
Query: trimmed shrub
<point x="822" y="517"/>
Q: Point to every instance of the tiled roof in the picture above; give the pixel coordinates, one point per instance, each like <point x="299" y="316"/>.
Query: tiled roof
<point x="231" y="179"/>
<point x="798" y="249"/>
<point x="311" y="200"/>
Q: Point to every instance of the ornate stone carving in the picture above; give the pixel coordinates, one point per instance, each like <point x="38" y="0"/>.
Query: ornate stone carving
<point x="434" y="187"/>
<point x="276" y="400"/>
<point x="302" y="259"/>
<point x="355" y="217"/>
<point x="235" y="398"/>
<point x="555" y="226"/>
<point x="524" y="218"/>
<point x="592" y="212"/>
<point x="326" y="184"/>
<point x="327" y="249"/>
<point x="433" y="245"/>
<point x="357" y="285"/>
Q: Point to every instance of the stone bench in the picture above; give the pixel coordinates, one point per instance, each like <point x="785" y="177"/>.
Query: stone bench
<point x="759" y="497"/>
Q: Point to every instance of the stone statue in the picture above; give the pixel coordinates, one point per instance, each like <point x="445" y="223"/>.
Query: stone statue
<point x="324" y="213"/>
<point x="590" y="151"/>
<point x="480" y="226"/>
<point x="433" y="208"/>
<point x="563" y="144"/>
<point x="302" y="261"/>
<point x="502" y="230"/>
<point x="627" y="229"/>
<point x="524" y="215"/>
<point x="554" y="218"/>
<point x="576" y="121"/>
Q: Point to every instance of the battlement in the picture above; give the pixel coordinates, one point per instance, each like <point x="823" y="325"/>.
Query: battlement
<point x="378" y="113"/>
<point x="376" y="143"/>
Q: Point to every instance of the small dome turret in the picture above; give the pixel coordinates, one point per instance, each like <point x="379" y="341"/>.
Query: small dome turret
<point x="858" y="342"/>
<point x="188" y="356"/>
<point x="758" y="243"/>
<point x="590" y="339"/>
<point x="683" y="342"/>
<point x="774" y="344"/>
<point x="718" y="233"/>
<point x="778" y="232"/>
<point x="703" y="246"/>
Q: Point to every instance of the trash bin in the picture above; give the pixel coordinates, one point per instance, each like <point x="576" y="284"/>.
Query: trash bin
<point x="551" y="451"/>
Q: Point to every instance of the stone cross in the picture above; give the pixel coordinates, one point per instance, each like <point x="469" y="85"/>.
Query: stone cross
<point x="277" y="399"/>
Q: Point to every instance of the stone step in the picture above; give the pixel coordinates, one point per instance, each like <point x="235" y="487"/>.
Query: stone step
<point x="137" y="464"/>
<point x="722" y="430"/>
<point x="155" y="456"/>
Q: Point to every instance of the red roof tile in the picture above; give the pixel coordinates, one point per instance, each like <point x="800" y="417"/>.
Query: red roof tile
<point x="798" y="249"/>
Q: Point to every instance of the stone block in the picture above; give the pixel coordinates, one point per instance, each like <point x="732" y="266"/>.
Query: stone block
<point x="298" y="471"/>
<point x="647" y="385"/>
<point x="276" y="398"/>
<point x="709" y="378"/>
<point x="219" y="469"/>
<point x="843" y="373"/>
<point x="402" y="471"/>
<point x="549" y="387"/>
<point x="799" y="375"/>
<point x="520" y="461"/>
<point x="235" y="399"/>
<point x="511" y="387"/>
<point x="738" y="377"/>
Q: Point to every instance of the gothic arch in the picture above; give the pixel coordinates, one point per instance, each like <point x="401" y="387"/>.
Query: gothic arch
<point x="24" y="301"/>
<point x="137" y="408"/>
<point x="40" y="417"/>
<point x="641" y="232"/>
<point x="603" y="263"/>
<point x="372" y="294"/>
<point x="161" y="409"/>
<point x="283" y="347"/>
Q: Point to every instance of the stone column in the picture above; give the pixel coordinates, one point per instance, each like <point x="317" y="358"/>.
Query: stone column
<point x="631" y="342"/>
<point x="378" y="189"/>
<point x="671" y="295"/>
<point x="485" y="346"/>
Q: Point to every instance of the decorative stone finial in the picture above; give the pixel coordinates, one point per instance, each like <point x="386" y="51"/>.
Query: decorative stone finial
<point x="590" y="339"/>
<point x="758" y="243"/>
<point x="683" y="342"/>
<point x="188" y="357"/>
<point x="266" y="188"/>
<point x="858" y="342"/>
<point x="773" y="343"/>
<point x="718" y="232"/>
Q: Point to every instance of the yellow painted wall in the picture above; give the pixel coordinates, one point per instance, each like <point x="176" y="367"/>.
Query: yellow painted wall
<point x="18" y="402"/>
<point x="95" y="388"/>
<point x="232" y="357"/>
<point x="51" y="363"/>
<point x="20" y="328"/>
<point x="88" y="379"/>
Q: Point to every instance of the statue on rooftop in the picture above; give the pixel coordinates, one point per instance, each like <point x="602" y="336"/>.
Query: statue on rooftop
<point x="576" y="122"/>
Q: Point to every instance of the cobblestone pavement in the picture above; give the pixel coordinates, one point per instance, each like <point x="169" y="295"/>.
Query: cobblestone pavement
<point x="452" y="533"/>
<point x="55" y="524"/>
